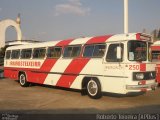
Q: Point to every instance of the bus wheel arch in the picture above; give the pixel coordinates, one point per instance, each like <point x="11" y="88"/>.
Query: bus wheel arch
<point x="23" y="79"/>
<point x="92" y="87"/>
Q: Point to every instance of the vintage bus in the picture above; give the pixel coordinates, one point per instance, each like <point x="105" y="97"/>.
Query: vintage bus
<point x="156" y="58"/>
<point x="111" y="63"/>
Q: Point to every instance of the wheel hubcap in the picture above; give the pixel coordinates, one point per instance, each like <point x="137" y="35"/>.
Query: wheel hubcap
<point x="92" y="88"/>
<point x="22" y="79"/>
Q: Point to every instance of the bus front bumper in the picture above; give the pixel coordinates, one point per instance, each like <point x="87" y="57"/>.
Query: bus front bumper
<point x="142" y="87"/>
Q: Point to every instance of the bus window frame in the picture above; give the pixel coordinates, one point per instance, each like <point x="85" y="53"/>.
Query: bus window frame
<point x="9" y="55"/>
<point x="61" y="51"/>
<point x="94" y="50"/>
<point x="134" y="58"/>
<point x="39" y="48"/>
<point x="80" y="46"/>
<point x="27" y="49"/>
<point x="15" y="50"/>
<point x="122" y="45"/>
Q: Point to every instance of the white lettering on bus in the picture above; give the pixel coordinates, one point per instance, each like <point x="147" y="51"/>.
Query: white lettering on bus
<point x="25" y="63"/>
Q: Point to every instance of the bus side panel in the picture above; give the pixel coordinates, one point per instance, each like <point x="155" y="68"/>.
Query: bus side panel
<point x="72" y="71"/>
<point x="36" y="77"/>
<point x="86" y="67"/>
<point x="49" y="73"/>
<point x="12" y="74"/>
<point x="7" y="73"/>
<point x="110" y="76"/>
<point x="41" y="75"/>
<point x="52" y="79"/>
<point x="57" y="71"/>
<point x="30" y="76"/>
<point x="77" y="84"/>
<point x="113" y="85"/>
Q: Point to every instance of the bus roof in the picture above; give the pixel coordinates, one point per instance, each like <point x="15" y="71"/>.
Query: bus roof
<point x="86" y="40"/>
<point x="155" y="46"/>
<point x="156" y="43"/>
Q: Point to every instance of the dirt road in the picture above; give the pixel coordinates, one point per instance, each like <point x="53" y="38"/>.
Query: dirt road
<point x="48" y="100"/>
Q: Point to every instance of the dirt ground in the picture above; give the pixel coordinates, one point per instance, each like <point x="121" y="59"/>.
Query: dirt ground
<point x="49" y="100"/>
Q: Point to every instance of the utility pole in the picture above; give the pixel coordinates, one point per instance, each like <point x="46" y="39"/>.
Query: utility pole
<point x="126" y="16"/>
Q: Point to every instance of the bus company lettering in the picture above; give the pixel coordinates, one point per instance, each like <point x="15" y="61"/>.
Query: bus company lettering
<point x="26" y="63"/>
<point x="114" y="67"/>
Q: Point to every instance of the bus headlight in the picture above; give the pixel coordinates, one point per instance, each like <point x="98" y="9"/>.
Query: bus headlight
<point x="149" y="75"/>
<point x="139" y="76"/>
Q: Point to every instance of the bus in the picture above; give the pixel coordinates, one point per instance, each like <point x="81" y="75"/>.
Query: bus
<point x="156" y="58"/>
<point x="110" y="63"/>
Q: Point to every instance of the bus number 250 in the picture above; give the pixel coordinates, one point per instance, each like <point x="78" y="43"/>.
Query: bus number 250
<point x="133" y="67"/>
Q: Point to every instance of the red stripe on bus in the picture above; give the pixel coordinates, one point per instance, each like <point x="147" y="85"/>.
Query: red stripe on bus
<point x="98" y="39"/>
<point x="46" y="67"/>
<point x="64" y="42"/>
<point x="138" y="36"/>
<point x="72" y="71"/>
<point x="143" y="67"/>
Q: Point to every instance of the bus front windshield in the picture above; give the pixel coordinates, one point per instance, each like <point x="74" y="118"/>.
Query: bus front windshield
<point x="137" y="50"/>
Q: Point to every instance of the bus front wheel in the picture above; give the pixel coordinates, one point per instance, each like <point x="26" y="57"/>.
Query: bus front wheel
<point x="23" y="80"/>
<point x="94" y="89"/>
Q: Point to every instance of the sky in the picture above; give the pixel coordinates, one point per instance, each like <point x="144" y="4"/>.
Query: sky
<point x="47" y="20"/>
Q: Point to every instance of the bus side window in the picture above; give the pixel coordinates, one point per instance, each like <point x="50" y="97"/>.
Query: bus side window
<point x="96" y="50"/>
<point x="8" y="54"/>
<point x="99" y="50"/>
<point x="88" y="51"/>
<point x="76" y="51"/>
<point x="112" y="53"/>
<point x="72" y="51"/>
<point x="39" y="53"/>
<point x="67" y="52"/>
<point x="54" y="52"/>
<point x="15" y="54"/>
<point x="26" y="53"/>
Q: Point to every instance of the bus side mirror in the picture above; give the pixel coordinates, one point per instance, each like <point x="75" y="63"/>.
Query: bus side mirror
<point x="119" y="55"/>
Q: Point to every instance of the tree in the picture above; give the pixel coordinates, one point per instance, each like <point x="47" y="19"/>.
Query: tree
<point x="154" y="33"/>
<point x="2" y="51"/>
<point x="158" y="36"/>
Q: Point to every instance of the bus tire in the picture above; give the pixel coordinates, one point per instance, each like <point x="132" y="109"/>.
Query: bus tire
<point x="94" y="88"/>
<point x="23" y="80"/>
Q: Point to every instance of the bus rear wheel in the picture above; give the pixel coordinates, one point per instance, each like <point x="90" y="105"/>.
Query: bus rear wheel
<point x="94" y="89"/>
<point x="23" y="80"/>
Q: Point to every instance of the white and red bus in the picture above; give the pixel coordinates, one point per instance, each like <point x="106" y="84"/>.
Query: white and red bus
<point x="156" y="58"/>
<point x="110" y="63"/>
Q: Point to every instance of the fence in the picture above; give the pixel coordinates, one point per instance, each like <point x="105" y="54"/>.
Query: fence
<point x="1" y="73"/>
<point x="1" y="67"/>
